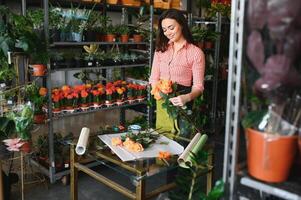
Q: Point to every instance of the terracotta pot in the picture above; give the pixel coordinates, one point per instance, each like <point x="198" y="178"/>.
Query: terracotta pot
<point x="201" y="45"/>
<point x="39" y="118"/>
<point x="124" y="38"/>
<point x="110" y="37"/>
<point x="270" y="157"/>
<point x="208" y="45"/>
<point x="137" y="38"/>
<point x="26" y="147"/>
<point x="39" y="70"/>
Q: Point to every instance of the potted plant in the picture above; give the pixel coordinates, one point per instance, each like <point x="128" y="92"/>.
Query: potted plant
<point x="7" y="128"/>
<point x="70" y="98"/>
<point x="210" y="38"/>
<point x="23" y="119"/>
<point x="56" y="97"/>
<point x="110" y="32"/>
<point x="37" y="96"/>
<point x="7" y="73"/>
<point x="110" y="94"/>
<point x="124" y="31"/>
<point x="198" y="35"/>
<point x="120" y="95"/>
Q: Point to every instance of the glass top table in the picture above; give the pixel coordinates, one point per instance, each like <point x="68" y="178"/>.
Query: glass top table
<point x="136" y="171"/>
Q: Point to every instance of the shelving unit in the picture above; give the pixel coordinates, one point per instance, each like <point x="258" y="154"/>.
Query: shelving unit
<point x="214" y="80"/>
<point x="232" y="176"/>
<point x="51" y="172"/>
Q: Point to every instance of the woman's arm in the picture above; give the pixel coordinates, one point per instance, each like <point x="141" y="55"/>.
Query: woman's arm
<point x="155" y="72"/>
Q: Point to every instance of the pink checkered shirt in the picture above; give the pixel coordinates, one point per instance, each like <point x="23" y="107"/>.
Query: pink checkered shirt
<point x="186" y="68"/>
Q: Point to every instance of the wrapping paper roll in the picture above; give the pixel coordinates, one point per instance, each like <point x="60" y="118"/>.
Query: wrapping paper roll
<point x="82" y="141"/>
<point x="196" y="144"/>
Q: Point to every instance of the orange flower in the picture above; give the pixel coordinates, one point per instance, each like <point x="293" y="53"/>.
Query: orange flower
<point x="75" y="94"/>
<point x="109" y="91"/>
<point x="165" y="86"/>
<point x="116" y="141"/>
<point x="95" y="92"/>
<point x="84" y="93"/>
<point x="69" y="96"/>
<point x="156" y="92"/>
<point x="55" y="98"/>
<point x="79" y="87"/>
<point x="132" y="146"/>
<point x="164" y="155"/>
<point x="88" y="86"/>
<point x="43" y="91"/>
<point x="66" y="88"/>
<point x="119" y="90"/>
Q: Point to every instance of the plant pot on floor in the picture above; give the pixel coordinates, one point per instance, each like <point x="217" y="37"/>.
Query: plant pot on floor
<point x="270" y="157"/>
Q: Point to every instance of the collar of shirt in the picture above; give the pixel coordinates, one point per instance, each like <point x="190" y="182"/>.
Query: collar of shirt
<point x="170" y="45"/>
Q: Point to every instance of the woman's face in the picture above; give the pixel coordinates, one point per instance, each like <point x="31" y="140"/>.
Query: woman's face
<point x="171" y="29"/>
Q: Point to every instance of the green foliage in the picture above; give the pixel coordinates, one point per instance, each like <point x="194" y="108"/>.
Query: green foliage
<point x="23" y="118"/>
<point x="216" y="192"/>
<point x="145" y="138"/>
<point x="139" y="120"/>
<point x="253" y="118"/>
<point x="32" y="94"/>
<point x="7" y="73"/>
<point x="198" y="33"/>
<point x="123" y="29"/>
<point x="7" y="127"/>
<point x="37" y="17"/>
<point x="189" y="181"/>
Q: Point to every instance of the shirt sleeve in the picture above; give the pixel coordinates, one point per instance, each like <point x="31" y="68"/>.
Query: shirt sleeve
<point x="198" y="69"/>
<point x="155" y="72"/>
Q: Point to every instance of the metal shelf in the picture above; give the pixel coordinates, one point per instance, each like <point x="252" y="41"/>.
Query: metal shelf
<point x="44" y="170"/>
<point x="286" y="190"/>
<point x="99" y="67"/>
<point x="92" y="110"/>
<point x="66" y="44"/>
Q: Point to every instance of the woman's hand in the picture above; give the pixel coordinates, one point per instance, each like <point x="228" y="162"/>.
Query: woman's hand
<point x="180" y="100"/>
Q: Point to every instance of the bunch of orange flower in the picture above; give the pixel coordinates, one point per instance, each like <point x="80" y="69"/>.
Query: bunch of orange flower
<point x="84" y="94"/>
<point x="56" y="96"/>
<point x="98" y="91"/>
<point x="70" y="97"/>
<point x="128" y="144"/>
<point x="110" y="92"/>
<point x="162" y="87"/>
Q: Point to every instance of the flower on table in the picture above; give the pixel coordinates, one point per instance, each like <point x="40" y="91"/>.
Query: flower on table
<point x="128" y="144"/>
<point x="116" y="141"/>
<point x="164" y="155"/>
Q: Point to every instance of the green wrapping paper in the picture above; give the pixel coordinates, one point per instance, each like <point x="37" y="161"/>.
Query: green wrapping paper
<point x="197" y="143"/>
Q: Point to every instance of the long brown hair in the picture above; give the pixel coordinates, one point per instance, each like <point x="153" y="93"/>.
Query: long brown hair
<point x="162" y="40"/>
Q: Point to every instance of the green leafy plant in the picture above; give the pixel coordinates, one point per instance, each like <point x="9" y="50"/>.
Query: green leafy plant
<point x="189" y="180"/>
<point x="7" y="127"/>
<point x="198" y="33"/>
<point x="37" y="17"/>
<point x="33" y="94"/>
<point x="145" y="138"/>
<point x="23" y="119"/>
<point x="7" y="73"/>
<point x="123" y="29"/>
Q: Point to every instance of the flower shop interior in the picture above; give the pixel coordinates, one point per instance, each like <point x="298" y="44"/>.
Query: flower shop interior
<point x="79" y="115"/>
